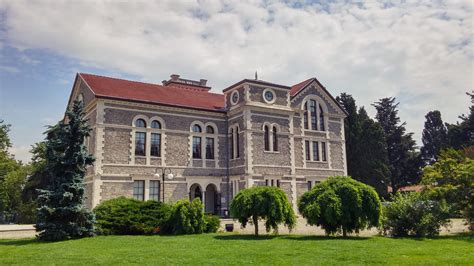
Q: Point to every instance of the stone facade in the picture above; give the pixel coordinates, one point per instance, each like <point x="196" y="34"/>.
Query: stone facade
<point x="215" y="181"/>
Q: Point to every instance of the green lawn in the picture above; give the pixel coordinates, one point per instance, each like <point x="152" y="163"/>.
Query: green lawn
<point x="225" y="249"/>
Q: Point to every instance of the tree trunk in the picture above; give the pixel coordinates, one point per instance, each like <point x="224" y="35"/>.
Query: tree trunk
<point x="344" y="232"/>
<point x="255" y="223"/>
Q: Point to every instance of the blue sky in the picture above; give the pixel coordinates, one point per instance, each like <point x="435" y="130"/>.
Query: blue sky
<point x="420" y="52"/>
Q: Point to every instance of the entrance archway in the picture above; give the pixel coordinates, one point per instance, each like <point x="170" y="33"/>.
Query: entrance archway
<point x="195" y="192"/>
<point x="211" y="199"/>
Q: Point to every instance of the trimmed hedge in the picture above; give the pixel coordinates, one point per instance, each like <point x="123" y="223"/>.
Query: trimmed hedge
<point x="125" y="216"/>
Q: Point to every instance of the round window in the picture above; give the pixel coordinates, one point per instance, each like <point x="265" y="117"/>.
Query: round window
<point x="234" y="97"/>
<point x="269" y="96"/>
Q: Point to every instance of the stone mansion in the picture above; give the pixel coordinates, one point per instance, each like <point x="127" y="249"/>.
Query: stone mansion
<point x="255" y="133"/>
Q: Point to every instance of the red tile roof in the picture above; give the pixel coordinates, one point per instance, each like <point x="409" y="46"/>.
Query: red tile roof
<point x="183" y="96"/>
<point x="297" y="87"/>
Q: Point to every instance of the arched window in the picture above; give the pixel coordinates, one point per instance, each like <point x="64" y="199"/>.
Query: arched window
<point x="237" y="143"/>
<point x="155" y="124"/>
<point x="140" y="123"/>
<point x="321" y="118"/>
<point x="275" y="139"/>
<point x="197" y="128"/>
<point x="313" y="117"/>
<point x="231" y="143"/>
<point x="209" y="130"/>
<point x="267" y="138"/>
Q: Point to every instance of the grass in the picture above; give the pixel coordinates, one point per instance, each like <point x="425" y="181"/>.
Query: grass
<point x="225" y="249"/>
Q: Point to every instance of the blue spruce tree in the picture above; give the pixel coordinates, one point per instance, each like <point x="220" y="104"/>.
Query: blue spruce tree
<point x="61" y="213"/>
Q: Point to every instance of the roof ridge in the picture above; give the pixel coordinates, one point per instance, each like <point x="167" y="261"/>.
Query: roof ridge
<point x="134" y="81"/>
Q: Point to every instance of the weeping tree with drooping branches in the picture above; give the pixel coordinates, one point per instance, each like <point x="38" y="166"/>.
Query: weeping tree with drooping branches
<point x="263" y="203"/>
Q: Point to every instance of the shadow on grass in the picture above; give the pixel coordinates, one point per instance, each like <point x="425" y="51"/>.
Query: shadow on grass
<point x="19" y="242"/>
<point x="465" y="236"/>
<point x="289" y="237"/>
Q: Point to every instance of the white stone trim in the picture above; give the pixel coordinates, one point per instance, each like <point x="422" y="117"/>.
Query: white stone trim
<point x="272" y="92"/>
<point x="232" y="97"/>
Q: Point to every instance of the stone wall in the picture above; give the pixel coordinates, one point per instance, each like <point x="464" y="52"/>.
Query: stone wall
<point x="111" y="190"/>
<point x="256" y="95"/>
<point x="116" y="145"/>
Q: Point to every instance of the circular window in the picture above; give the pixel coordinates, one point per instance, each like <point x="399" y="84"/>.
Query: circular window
<point x="269" y="96"/>
<point x="234" y="97"/>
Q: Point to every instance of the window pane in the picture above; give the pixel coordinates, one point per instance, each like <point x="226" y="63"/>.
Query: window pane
<point x="266" y="138"/>
<point x="140" y="123"/>
<point x="312" y="107"/>
<point x="197" y="128"/>
<point x="155" y="144"/>
<point x="278" y="183"/>
<point x="309" y="185"/>
<point x="140" y="143"/>
<point x="210" y="148"/>
<point x="308" y="152"/>
<point x="275" y="139"/>
<point x="315" y="151"/>
<point x="139" y="189"/>
<point x="323" y="151"/>
<point x="231" y="143"/>
<point x="321" y="118"/>
<point x="306" y="115"/>
<point x="154" y="190"/>
<point x="197" y="147"/>
<point x="210" y="130"/>
<point x="155" y="124"/>
<point x="237" y="143"/>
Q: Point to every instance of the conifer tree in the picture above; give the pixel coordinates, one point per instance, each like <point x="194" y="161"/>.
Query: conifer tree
<point x="61" y="213"/>
<point x="365" y="146"/>
<point x="461" y="135"/>
<point x="404" y="160"/>
<point x="434" y="137"/>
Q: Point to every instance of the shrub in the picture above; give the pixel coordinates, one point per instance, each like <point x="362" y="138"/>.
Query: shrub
<point x="212" y="222"/>
<point x="341" y="204"/>
<point x="124" y="216"/>
<point x="268" y="203"/>
<point x="186" y="218"/>
<point x="413" y="215"/>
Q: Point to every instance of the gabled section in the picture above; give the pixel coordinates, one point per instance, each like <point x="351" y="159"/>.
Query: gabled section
<point x="302" y="86"/>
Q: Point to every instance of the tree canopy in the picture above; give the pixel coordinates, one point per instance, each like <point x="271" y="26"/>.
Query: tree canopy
<point x="341" y="204"/>
<point x="267" y="203"/>
<point x="366" y="151"/>
<point x="434" y="138"/>
<point x="404" y="161"/>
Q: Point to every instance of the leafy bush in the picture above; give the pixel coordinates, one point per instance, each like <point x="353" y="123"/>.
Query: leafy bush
<point x="451" y="178"/>
<point x="186" y="218"/>
<point x="268" y="203"/>
<point x="413" y="215"/>
<point x="212" y="222"/>
<point x="341" y="204"/>
<point x="124" y="216"/>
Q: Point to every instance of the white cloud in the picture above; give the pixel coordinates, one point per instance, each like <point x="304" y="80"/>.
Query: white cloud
<point x="420" y="52"/>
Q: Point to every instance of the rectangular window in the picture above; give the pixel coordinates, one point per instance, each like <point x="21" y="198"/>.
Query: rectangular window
<point x="231" y="144"/>
<point x="197" y="148"/>
<point x="139" y="189"/>
<point x="309" y="185"/>
<point x="315" y="151"/>
<point x="308" y="152"/>
<point x="323" y="151"/>
<point x="266" y="182"/>
<point x="140" y="142"/>
<point x="155" y="144"/>
<point x="305" y="121"/>
<point x="272" y="182"/>
<point x="210" y="148"/>
<point x="278" y="183"/>
<point x="154" y="190"/>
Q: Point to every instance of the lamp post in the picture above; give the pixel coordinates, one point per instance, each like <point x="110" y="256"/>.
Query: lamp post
<point x="164" y="172"/>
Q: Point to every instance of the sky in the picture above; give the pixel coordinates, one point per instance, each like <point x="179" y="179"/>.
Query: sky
<point x="420" y="52"/>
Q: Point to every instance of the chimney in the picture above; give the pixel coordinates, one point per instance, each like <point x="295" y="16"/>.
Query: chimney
<point x="174" y="77"/>
<point x="202" y="82"/>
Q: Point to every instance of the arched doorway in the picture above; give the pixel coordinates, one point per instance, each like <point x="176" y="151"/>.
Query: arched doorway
<point x="211" y="205"/>
<point x="195" y="192"/>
